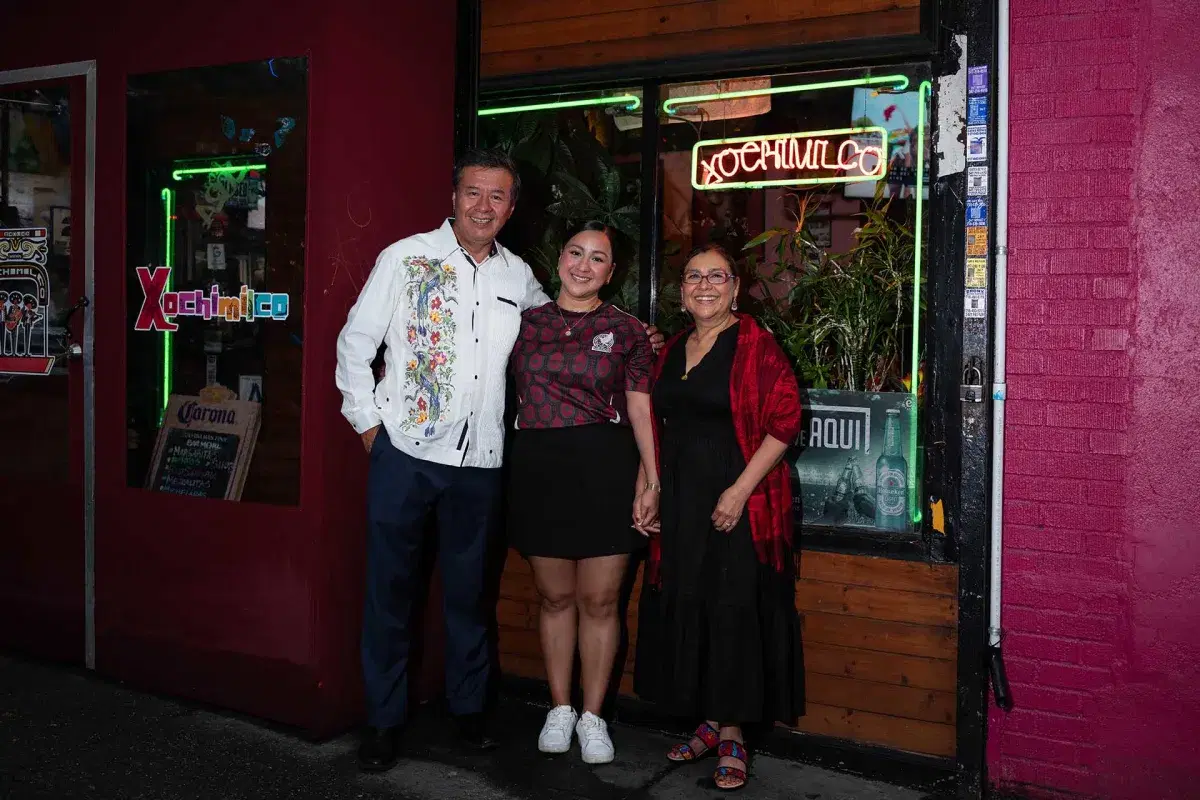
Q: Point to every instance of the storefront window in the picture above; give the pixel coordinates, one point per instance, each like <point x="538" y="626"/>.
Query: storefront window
<point x="816" y="184"/>
<point x="580" y="158"/>
<point x="216" y="222"/>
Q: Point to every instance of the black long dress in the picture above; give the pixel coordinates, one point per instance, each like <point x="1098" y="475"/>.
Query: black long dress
<point x="721" y="639"/>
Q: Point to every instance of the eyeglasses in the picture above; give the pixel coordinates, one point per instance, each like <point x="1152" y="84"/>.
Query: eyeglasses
<point x="713" y="278"/>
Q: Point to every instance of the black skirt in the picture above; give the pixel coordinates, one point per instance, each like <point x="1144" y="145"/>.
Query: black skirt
<point x="571" y="492"/>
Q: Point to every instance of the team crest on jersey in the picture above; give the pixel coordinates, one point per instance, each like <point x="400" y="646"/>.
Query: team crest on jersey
<point x="603" y="342"/>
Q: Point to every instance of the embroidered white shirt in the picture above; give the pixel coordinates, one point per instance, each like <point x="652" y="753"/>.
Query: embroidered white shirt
<point x="449" y="325"/>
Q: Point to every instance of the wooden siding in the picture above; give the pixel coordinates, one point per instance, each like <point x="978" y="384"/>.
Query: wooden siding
<point x="528" y="36"/>
<point x="880" y="642"/>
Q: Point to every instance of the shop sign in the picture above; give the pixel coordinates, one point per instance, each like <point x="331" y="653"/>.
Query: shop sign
<point x="160" y="307"/>
<point x="854" y="464"/>
<point x="24" y="302"/>
<point x="845" y="155"/>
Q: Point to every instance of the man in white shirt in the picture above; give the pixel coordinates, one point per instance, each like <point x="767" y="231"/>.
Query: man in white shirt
<point x="448" y="305"/>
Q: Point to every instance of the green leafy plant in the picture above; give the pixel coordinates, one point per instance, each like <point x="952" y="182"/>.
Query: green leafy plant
<point x="571" y="178"/>
<point x="844" y="318"/>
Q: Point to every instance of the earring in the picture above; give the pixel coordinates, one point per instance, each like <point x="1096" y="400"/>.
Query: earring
<point x="735" y="304"/>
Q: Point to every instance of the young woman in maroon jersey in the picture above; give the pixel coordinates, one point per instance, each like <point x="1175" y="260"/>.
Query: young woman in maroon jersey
<point x="582" y="373"/>
<point x="718" y="634"/>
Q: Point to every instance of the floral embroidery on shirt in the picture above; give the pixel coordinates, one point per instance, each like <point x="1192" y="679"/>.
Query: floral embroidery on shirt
<point x="432" y="285"/>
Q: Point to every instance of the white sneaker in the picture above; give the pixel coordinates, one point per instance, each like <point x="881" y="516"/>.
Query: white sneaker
<point x="594" y="743"/>
<point x="556" y="733"/>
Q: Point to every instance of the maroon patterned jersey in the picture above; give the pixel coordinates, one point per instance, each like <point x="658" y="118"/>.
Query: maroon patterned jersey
<point x="581" y="378"/>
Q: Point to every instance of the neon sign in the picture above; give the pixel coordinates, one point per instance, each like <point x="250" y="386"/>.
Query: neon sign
<point x="160" y="307"/>
<point x="630" y="102"/>
<point x="845" y="155"/>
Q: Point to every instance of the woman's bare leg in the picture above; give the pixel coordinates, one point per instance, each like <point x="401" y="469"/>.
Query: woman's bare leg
<point x="556" y="579"/>
<point x="599" y="587"/>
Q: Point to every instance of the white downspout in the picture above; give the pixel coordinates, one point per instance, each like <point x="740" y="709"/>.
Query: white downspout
<point x="999" y="387"/>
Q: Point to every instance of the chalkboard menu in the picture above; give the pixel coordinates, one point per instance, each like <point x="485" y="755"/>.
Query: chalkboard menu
<point x="197" y="463"/>
<point x="205" y="445"/>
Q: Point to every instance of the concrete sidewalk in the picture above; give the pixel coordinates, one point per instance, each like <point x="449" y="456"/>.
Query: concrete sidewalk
<point x="64" y="735"/>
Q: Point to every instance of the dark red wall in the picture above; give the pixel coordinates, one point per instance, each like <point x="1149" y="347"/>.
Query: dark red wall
<point x="249" y="606"/>
<point x="1102" y="517"/>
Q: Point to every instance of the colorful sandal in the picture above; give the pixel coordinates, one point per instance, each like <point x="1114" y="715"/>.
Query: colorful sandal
<point x="708" y="737"/>
<point x="729" y="779"/>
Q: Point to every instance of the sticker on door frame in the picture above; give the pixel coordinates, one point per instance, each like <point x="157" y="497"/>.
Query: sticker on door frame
<point x="24" y="302"/>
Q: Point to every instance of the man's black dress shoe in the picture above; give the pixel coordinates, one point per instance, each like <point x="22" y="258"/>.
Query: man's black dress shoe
<point x="379" y="750"/>
<point x="470" y="730"/>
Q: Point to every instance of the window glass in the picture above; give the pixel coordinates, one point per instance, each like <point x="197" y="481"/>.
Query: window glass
<point x="216" y="222"/>
<point x="36" y="173"/>
<point x="811" y="183"/>
<point x="579" y="155"/>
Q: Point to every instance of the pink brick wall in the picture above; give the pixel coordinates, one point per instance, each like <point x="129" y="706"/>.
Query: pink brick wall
<point x="1102" y="515"/>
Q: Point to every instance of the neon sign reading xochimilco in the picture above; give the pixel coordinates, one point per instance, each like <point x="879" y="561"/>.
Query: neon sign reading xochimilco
<point x="845" y="155"/>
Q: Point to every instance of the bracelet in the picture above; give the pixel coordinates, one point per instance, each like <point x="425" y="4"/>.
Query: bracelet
<point x="652" y="487"/>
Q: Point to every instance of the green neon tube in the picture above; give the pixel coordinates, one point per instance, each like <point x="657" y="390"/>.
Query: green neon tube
<point x="631" y="102"/>
<point x="168" y="200"/>
<point x="898" y="82"/>
<point x="881" y="132"/>
<point x="923" y="94"/>
<point x="179" y="173"/>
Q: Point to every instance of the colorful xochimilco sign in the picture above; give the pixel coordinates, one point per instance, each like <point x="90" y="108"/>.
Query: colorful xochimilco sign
<point x="161" y="305"/>
<point x="24" y="302"/>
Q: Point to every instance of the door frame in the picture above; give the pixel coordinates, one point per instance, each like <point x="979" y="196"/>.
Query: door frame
<point x="86" y="70"/>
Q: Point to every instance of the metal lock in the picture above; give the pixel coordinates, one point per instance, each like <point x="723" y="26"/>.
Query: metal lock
<point x="971" y="391"/>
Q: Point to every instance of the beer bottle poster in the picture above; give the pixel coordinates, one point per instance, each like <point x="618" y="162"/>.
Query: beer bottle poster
<point x="851" y="464"/>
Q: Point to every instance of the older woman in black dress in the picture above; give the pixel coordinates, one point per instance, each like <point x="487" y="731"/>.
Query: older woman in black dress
<point x="718" y="633"/>
<point x="582" y="373"/>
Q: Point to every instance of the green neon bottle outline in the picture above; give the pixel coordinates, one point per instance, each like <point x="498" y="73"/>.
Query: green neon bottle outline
<point x="179" y="174"/>
<point x="631" y="102"/>
<point x="924" y="92"/>
<point x="897" y="82"/>
<point x="874" y="129"/>
<point x="168" y="201"/>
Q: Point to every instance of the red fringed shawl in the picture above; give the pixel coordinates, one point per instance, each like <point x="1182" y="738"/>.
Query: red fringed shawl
<point x="765" y="398"/>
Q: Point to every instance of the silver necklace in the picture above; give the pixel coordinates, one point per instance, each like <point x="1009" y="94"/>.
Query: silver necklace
<point x="571" y="327"/>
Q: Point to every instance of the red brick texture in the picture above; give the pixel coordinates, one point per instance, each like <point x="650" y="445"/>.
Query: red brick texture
<point x="1098" y="644"/>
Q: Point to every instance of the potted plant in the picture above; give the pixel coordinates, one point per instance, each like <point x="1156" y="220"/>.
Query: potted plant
<point x="843" y="318"/>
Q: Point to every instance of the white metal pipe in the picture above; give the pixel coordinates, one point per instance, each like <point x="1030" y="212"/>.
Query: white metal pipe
<point x="999" y="387"/>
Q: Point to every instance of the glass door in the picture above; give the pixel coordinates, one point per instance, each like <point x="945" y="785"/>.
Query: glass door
<point x="42" y="313"/>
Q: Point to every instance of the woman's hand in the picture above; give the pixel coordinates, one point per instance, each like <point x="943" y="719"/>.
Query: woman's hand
<point x="729" y="508"/>
<point x="645" y="512"/>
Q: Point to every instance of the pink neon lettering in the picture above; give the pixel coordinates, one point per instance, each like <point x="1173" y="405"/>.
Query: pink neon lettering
<point x="797" y="152"/>
<point x="751" y="147"/>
